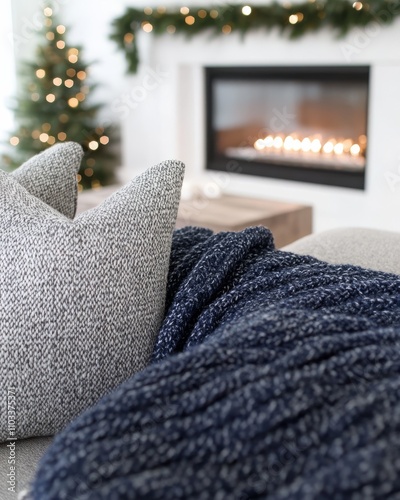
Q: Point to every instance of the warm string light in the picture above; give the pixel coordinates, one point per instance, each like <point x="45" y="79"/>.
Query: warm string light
<point x="128" y="38"/>
<point x="73" y="102"/>
<point x="73" y="55"/>
<point x="296" y="18"/>
<point x="147" y="27"/>
<point x="246" y="10"/>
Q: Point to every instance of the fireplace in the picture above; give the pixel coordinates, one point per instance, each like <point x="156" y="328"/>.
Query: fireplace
<point x="304" y="124"/>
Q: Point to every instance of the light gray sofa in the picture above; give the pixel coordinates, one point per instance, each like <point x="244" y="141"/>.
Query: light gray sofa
<point x="370" y="248"/>
<point x="373" y="249"/>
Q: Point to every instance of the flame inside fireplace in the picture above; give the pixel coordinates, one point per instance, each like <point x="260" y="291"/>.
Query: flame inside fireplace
<point x="343" y="153"/>
<point x="312" y="145"/>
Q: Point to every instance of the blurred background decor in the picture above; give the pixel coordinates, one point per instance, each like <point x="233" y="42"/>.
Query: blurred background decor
<point x="307" y="99"/>
<point x="294" y="19"/>
<point x="53" y="105"/>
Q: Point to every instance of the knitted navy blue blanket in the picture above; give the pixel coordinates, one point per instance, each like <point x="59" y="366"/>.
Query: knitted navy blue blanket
<point x="273" y="376"/>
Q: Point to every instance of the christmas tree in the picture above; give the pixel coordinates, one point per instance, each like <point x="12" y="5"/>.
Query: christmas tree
<point x="53" y="108"/>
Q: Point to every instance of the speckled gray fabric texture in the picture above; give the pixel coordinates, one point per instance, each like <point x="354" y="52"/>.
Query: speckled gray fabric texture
<point x="51" y="176"/>
<point x="81" y="300"/>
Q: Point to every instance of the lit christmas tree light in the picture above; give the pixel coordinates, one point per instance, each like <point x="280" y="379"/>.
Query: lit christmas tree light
<point x="53" y="106"/>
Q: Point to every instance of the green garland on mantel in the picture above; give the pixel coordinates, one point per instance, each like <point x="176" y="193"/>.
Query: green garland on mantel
<point x="294" y="19"/>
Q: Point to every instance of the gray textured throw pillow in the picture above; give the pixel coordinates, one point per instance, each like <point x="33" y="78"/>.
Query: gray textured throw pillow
<point x="51" y="176"/>
<point x="80" y="300"/>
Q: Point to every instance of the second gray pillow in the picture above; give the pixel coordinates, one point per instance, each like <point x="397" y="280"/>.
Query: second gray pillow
<point x="51" y="176"/>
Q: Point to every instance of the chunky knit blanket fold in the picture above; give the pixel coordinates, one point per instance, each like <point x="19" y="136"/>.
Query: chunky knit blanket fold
<point x="273" y="376"/>
<point x="216" y="279"/>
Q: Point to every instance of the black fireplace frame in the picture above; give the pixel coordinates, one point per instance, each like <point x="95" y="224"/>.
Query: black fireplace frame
<point x="330" y="177"/>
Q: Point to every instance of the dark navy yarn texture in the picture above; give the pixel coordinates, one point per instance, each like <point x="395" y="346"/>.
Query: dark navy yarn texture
<point x="273" y="376"/>
<point x="216" y="279"/>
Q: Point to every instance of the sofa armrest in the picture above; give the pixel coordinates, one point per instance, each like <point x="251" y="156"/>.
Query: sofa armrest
<point x="369" y="248"/>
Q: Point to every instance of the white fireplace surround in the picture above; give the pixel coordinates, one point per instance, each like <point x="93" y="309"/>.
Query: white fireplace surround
<point x="162" y="108"/>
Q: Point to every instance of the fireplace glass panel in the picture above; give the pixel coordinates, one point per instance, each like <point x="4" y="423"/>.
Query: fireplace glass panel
<point x="301" y="121"/>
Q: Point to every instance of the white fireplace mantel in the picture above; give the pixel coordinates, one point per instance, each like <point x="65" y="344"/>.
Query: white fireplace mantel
<point x="163" y="111"/>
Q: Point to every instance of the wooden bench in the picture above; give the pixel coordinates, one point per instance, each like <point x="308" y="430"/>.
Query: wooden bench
<point x="287" y="221"/>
